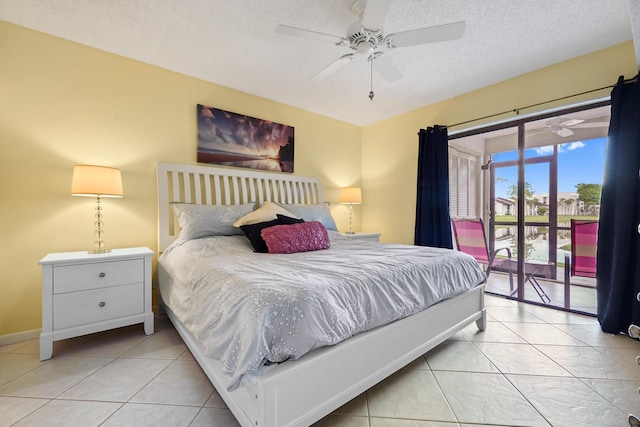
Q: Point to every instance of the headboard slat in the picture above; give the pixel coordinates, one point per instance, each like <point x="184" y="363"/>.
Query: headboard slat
<point x="245" y="195"/>
<point x="216" y="186"/>
<point x="197" y="188"/>
<point x="207" y="190"/>
<point x="234" y="181"/>
<point x="267" y="190"/>
<point x="284" y="192"/>
<point x="175" y="189"/>
<point x="184" y="183"/>
<point x="187" y="187"/>
<point x="260" y="188"/>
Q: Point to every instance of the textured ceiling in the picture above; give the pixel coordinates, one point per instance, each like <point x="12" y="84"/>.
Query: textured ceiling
<point x="233" y="43"/>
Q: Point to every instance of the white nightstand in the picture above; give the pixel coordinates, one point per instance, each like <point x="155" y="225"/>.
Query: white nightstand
<point x="85" y="293"/>
<point x="374" y="237"/>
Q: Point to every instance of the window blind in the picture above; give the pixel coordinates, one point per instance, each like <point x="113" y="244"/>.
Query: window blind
<point x="463" y="184"/>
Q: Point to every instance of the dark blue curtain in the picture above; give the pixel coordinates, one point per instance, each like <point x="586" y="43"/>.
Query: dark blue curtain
<point x="432" y="204"/>
<point x="618" y="269"/>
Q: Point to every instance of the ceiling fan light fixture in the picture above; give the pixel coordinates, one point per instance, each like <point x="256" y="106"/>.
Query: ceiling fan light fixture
<point x="365" y="48"/>
<point x="564" y="132"/>
<point x="571" y="122"/>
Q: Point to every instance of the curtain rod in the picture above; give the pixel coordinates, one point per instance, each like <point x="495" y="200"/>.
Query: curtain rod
<point x="517" y="110"/>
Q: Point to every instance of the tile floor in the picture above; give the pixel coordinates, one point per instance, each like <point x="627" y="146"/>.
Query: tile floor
<point x="533" y="366"/>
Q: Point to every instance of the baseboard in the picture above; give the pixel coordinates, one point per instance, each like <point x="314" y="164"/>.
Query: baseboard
<point x="19" y="336"/>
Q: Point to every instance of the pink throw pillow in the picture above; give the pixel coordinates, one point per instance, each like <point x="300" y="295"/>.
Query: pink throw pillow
<point x="289" y="239"/>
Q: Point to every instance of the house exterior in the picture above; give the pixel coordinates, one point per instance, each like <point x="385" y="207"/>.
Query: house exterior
<point x="503" y="206"/>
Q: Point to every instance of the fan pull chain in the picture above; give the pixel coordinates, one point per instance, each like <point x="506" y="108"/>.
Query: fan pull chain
<point x="371" y="94"/>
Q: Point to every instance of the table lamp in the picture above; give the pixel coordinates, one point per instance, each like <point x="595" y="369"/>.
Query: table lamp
<point x="97" y="181"/>
<point x="351" y="196"/>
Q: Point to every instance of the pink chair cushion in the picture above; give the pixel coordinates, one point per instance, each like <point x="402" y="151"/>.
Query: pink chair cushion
<point x="303" y="237"/>
<point x="470" y="239"/>
<point x="584" y="242"/>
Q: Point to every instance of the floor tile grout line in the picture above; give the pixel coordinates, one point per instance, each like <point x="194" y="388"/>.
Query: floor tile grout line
<point x="572" y="375"/>
<point x="111" y="415"/>
<point x="519" y="391"/>
<point x="36" y="409"/>
<point x="150" y="381"/>
<point x="534" y="348"/>
<point x="24" y="373"/>
<point x="57" y="395"/>
<point x="604" y="397"/>
<point x="195" y="417"/>
<point x="446" y="398"/>
<point x="611" y="360"/>
<point x="527" y="399"/>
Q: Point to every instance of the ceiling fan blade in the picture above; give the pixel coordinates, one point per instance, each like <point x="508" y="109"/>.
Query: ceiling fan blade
<point x="438" y="33"/>
<point x="534" y="132"/>
<point x="307" y="34"/>
<point x="333" y="67"/>
<point x="386" y="69"/>
<point x="592" y="125"/>
<point x="375" y="13"/>
<point x="595" y="122"/>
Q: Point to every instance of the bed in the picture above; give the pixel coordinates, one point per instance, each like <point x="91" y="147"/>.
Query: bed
<point x="300" y="390"/>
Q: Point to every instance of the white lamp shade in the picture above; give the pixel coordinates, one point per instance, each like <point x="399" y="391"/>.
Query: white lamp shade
<point x="351" y="196"/>
<point x="96" y="181"/>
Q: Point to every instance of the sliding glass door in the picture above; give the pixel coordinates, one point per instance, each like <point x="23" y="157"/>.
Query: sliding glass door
<point x="538" y="175"/>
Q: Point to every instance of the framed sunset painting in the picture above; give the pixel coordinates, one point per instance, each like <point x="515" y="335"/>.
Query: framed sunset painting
<point x="232" y="139"/>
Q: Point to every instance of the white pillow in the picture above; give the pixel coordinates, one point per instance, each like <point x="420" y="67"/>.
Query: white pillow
<point x="209" y="220"/>
<point x="267" y="212"/>
<point x="319" y="212"/>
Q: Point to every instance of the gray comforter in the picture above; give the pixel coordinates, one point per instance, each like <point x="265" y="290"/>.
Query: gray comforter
<point x="249" y="310"/>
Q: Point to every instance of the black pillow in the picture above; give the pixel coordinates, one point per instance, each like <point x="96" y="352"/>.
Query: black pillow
<point x="252" y="231"/>
<point x="287" y="220"/>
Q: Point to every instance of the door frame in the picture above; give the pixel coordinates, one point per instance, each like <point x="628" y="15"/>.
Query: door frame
<point x="520" y="124"/>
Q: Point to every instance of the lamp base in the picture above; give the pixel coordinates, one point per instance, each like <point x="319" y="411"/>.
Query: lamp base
<point x="99" y="251"/>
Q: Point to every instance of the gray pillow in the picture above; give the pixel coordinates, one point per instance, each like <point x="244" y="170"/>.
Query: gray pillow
<point x="319" y="212"/>
<point x="209" y="220"/>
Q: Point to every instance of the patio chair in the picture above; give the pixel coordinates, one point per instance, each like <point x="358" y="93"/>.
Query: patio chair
<point x="582" y="261"/>
<point x="470" y="239"/>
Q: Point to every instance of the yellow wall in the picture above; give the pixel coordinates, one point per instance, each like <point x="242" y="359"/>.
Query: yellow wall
<point x="390" y="147"/>
<point x="63" y="104"/>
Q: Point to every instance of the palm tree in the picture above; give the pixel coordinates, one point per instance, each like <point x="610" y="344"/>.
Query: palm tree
<point x="561" y="205"/>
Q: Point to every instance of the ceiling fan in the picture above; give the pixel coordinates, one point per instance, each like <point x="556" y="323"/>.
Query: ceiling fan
<point x="367" y="40"/>
<point x="561" y="126"/>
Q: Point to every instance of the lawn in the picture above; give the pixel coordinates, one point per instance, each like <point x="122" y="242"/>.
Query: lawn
<point x="544" y="218"/>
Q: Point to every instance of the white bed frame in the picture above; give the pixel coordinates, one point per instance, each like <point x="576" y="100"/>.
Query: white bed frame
<point x="298" y="393"/>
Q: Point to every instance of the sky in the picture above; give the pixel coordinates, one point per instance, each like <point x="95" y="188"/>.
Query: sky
<point x="578" y="162"/>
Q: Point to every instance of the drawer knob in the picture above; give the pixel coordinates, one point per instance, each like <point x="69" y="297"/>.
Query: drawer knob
<point x="102" y="304"/>
<point x="102" y="274"/>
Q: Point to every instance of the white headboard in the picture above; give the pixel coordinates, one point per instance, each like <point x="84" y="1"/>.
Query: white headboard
<point x="212" y="185"/>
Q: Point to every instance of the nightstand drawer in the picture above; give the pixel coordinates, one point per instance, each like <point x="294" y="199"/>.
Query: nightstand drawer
<point x="69" y="278"/>
<point x="79" y="308"/>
